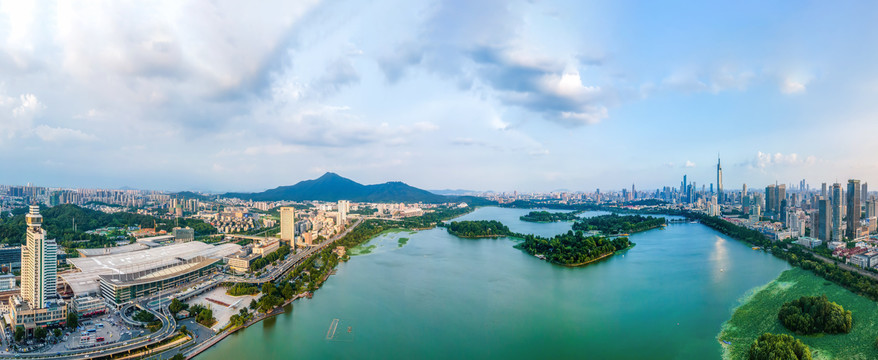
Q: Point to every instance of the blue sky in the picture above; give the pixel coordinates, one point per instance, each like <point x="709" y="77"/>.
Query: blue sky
<point x="487" y="95"/>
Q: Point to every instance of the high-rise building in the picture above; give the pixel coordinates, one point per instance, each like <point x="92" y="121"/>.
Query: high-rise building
<point x="853" y="208"/>
<point x="719" y="181"/>
<point x="343" y="208"/>
<point x="823" y="191"/>
<point x="836" y="212"/>
<point x="864" y="194"/>
<point x="39" y="269"/>
<point x="824" y="224"/>
<point x="871" y="208"/>
<point x="287" y="223"/>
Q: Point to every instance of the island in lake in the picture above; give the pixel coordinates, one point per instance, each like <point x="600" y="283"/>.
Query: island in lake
<point x="573" y="248"/>
<point x="545" y="216"/>
<point x="619" y="224"/>
<point x="478" y="229"/>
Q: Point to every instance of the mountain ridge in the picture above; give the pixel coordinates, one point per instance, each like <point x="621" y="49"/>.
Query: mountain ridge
<point x="333" y="187"/>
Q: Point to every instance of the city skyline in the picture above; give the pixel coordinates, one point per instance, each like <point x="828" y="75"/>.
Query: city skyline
<point x="547" y="96"/>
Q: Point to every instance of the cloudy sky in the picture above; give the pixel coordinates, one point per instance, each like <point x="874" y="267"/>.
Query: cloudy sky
<point x="483" y="95"/>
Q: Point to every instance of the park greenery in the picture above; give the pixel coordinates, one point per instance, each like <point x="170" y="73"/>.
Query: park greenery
<point x="758" y="314"/>
<point x="619" y="224"/>
<point x="814" y="314"/>
<point x="241" y="289"/>
<point x="72" y="320"/>
<point x="144" y="316"/>
<point x="545" y="216"/>
<point x="478" y="229"/>
<point x="203" y="315"/>
<point x="778" y="347"/>
<point x="573" y="248"/>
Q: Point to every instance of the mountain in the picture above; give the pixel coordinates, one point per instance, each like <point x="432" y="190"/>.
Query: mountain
<point x="332" y="187"/>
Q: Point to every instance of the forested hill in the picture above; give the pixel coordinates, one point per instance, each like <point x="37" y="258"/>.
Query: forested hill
<point x="58" y="222"/>
<point x="332" y="187"/>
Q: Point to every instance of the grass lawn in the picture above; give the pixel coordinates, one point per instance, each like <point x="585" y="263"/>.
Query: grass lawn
<point x="758" y="314"/>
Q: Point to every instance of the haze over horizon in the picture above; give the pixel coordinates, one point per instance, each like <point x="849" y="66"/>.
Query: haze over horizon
<point x="488" y="95"/>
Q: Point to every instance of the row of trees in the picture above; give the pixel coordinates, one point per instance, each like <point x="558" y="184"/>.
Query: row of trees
<point x="814" y="314"/>
<point x="617" y="224"/>
<point x="572" y="248"/>
<point x="240" y="289"/>
<point x="545" y="216"/>
<point x="276" y="255"/>
<point x="478" y="229"/>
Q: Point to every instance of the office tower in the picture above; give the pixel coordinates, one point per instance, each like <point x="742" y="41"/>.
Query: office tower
<point x="824" y="216"/>
<point x="287" y="223"/>
<point x="871" y="207"/>
<point x="633" y="192"/>
<point x="836" y="212"/>
<point x="39" y="263"/>
<point x="823" y="191"/>
<point x="719" y="181"/>
<point x="864" y="194"/>
<point x="684" y="188"/>
<point x="745" y="204"/>
<point x="744" y="191"/>
<point x="853" y="208"/>
<point x="782" y="211"/>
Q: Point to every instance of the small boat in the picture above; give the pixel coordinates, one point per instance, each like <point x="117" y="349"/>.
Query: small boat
<point x="722" y="270"/>
<point x="349" y="328"/>
<point x="727" y="342"/>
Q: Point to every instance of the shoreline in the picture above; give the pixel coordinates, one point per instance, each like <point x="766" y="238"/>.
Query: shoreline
<point x="607" y="255"/>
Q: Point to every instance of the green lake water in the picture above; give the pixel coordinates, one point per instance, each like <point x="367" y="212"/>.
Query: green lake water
<point x="436" y="296"/>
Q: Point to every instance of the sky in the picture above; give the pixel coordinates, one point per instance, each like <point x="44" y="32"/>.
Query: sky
<point x="479" y="95"/>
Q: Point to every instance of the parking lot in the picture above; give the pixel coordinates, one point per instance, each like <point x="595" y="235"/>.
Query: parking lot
<point x="99" y="330"/>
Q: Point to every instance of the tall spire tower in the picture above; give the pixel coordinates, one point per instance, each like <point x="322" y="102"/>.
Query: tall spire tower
<point x="719" y="180"/>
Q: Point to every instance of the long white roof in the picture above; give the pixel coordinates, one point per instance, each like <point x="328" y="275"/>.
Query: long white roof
<point x="86" y="281"/>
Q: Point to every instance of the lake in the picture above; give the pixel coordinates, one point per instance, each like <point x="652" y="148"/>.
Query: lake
<point x="436" y="296"/>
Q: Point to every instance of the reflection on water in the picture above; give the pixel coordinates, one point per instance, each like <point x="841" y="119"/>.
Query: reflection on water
<point x="720" y="259"/>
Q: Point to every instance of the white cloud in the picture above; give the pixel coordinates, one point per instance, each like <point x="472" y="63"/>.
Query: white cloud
<point x="689" y="164"/>
<point x="766" y="160"/>
<point x="790" y="87"/>
<point x="57" y="134"/>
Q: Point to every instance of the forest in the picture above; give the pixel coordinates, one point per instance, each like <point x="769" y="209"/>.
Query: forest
<point x="619" y="224"/>
<point x="545" y="216"/>
<point x="573" y="248"/>
<point x="814" y="314"/>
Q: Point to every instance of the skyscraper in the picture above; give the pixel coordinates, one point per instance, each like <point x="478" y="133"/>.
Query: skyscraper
<point x="39" y="263"/>
<point x="836" y="212"/>
<point x="824" y="223"/>
<point x="287" y="223"/>
<point x="719" y="181"/>
<point x="864" y="194"/>
<point x="343" y="207"/>
<point x="823" y="191"/>
<point x="853" y="207"/>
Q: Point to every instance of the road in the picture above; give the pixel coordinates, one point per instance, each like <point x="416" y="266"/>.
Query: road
<point x="843" y="265"/>
<point x="294" y="259"/>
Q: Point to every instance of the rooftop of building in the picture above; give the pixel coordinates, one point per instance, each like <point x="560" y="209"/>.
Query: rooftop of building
<point x="112" y="250"/>
<point x="86" y="281"/>
<point x="148" y="276"/>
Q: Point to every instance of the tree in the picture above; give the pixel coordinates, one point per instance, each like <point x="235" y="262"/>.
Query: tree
<point x="19" y="333"/>
<point x="288" y="291"/>
<point x="184" y="330"/>
<point x="815" y="314"/>
<point x="177" y="306"/>
<point x="72" y="320"/>
<point x="268" y="288"/>
<point x="778" y="347"/>
<point x="40" y="333"/>
<point x="56" y="332"/>
<point x="253" y="304"/>
<point x="178" y="356"/>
